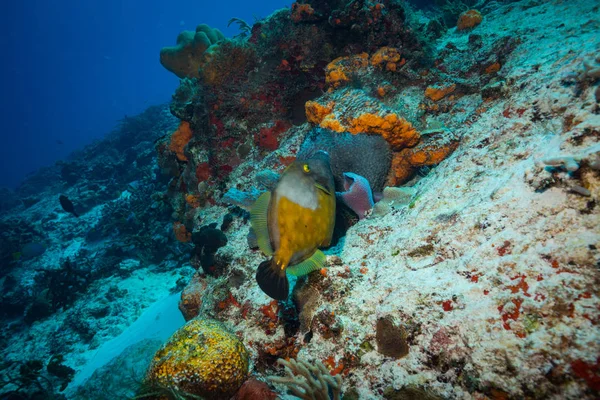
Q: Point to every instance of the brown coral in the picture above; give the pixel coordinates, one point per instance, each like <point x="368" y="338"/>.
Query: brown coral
<point x="202" y="358"/>
<point x="469" y="19"/>
<point x="391" y="338"/>
<point x="191" y="297"/>
<point x="179" y="139"/>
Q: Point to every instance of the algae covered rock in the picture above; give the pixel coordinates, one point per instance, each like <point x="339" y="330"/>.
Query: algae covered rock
<point x="202" y="358"/>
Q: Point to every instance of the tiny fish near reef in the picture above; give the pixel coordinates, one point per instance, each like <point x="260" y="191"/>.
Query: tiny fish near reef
<point x="67" y="205"/>
<point x="293" y="221"/>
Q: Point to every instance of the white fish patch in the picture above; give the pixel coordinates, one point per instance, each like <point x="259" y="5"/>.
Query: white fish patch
<point x="297" y="193"/>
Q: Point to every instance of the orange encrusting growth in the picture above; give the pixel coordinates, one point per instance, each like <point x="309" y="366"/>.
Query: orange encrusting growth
<point x="398" y="132"/>
<point x="437" y="93"/>
<point x="193" y="200"/>
<point x="469" y="19"/>
<point x="495" y="67"/>
<point x="301" y="12"/>
<point x="338" y="70"/>
<point x="389" y="57"/>
<point x="181" y="233"/>
<point x="406" y="161"/>
<point x="315" y="112"/>
<point x="179" y="139"/>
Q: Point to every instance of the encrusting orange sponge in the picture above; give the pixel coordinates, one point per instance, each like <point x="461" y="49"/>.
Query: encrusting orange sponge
<point x="397" y="131"/>
<point x="469" y="19"/>
<point x="179" y="139"/>
<point x="315" y="112"/>
<point x="338" y="70"/>
<point x="436" y="93"/>
<point x="406" y="161"/>
<point x="388" y="57"/>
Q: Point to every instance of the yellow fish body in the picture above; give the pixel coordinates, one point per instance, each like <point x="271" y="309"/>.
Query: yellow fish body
<point x="293" y="221"/>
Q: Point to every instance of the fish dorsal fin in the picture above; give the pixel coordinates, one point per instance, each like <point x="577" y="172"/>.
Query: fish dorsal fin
<point x="315" y="262"/>
<point x="258" y="219"/>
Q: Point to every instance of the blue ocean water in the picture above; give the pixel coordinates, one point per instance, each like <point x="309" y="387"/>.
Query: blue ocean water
<point x="72" y="69"/>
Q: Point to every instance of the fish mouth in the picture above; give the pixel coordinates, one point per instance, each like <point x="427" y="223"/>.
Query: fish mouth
<point x="322" y="188"/>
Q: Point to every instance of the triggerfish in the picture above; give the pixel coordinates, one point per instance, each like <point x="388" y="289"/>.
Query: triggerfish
<point x="292" y="221"/>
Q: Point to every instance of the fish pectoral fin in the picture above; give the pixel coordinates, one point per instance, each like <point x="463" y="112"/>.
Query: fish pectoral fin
<point x="272" y="280"/>
<point x="315" y="262"/>
<point x="258" y="219"/>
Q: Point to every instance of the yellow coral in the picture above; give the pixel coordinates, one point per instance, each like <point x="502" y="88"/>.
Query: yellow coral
<point x="315" y="112"/>
<point x="179" y="139"/>
<point x="202" y="358"/>
<point x="398" y="132"/>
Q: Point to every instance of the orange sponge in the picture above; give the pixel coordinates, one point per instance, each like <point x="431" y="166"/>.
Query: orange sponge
<point x="397" y="131"/>
<point x="315" y="112"/>
<point x="468" y="19"/>
<point x="388" y="57"/>
<point x="179" y="139"/>
<point x="338" y="70"/>
<point x="406" y="161"/>
<point x="436" y="93"/>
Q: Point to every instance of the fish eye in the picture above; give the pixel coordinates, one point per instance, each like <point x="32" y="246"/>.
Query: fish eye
<point x="306" y="168"/>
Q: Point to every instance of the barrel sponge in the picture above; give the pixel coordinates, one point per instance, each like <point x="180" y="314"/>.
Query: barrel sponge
<point x="202" y="358"/>
<point x="186" y="58"/>
<point x="365" y="155"/>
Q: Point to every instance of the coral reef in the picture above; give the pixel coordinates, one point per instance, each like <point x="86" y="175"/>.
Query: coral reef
<point x="203" y="359"/>
<point x="474" y="276"/>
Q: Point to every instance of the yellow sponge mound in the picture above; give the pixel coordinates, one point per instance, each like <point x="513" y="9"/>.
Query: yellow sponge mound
<point x="202" y="358"/>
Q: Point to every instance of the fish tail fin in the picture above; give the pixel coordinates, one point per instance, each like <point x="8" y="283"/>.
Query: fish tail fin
<point x="272" y="280"/>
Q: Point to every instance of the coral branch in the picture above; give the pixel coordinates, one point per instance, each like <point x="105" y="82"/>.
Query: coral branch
<point x="309" y="381"/>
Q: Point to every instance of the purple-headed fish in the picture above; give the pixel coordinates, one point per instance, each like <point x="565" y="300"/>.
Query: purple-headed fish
<point x="292" y="221"/>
